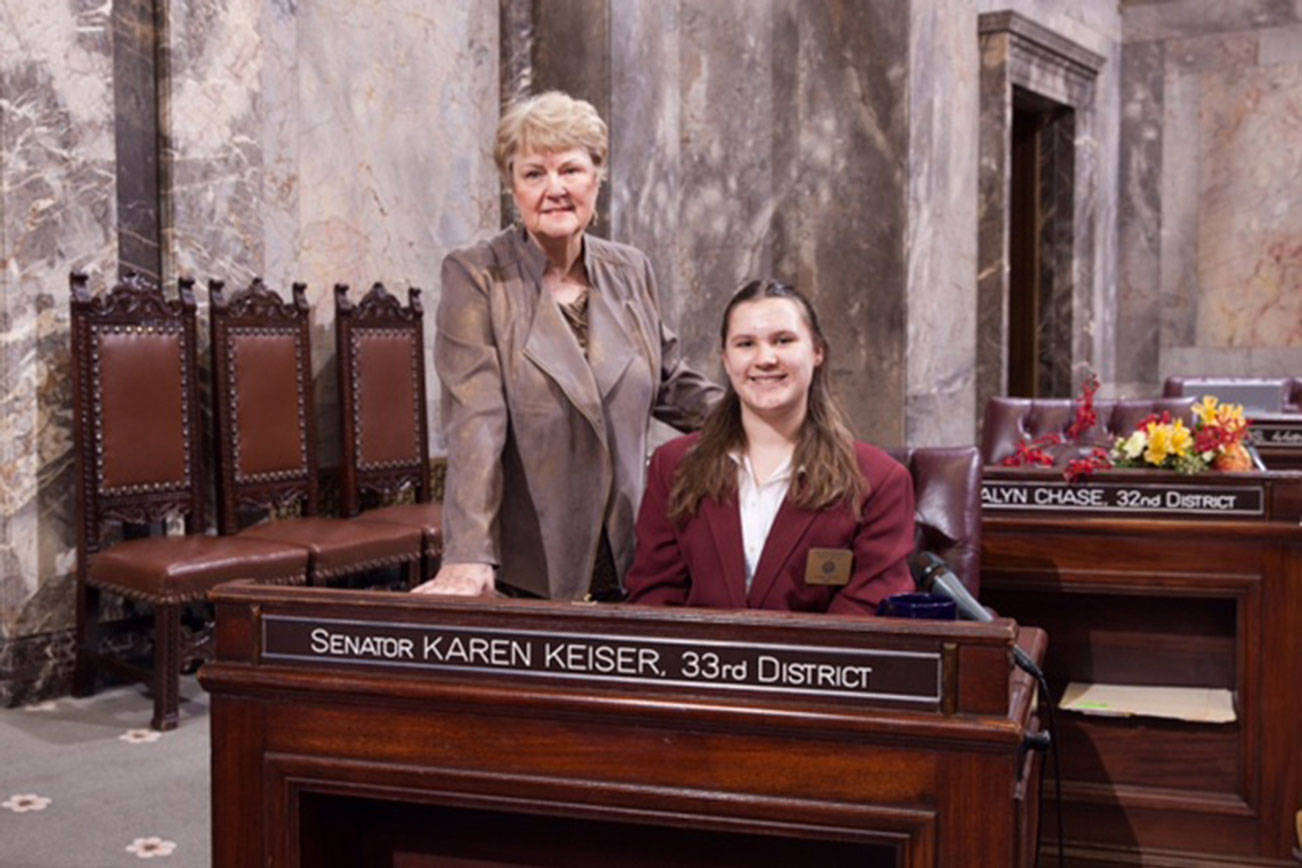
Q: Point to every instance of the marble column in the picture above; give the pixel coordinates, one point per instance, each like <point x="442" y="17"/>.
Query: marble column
<point x="770" y="138"/>
<point x="57" y="212"/>
<point x="940" y="407"/>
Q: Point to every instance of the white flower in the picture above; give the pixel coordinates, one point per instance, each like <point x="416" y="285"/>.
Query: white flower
<point x="140" y="736"/>
<point x="148" y="848"/>
<point x="24" y="802"/>
<point x="1134" y="445"/>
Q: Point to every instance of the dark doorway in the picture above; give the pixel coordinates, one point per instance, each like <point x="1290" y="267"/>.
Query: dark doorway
<point x="1041" y="197"/>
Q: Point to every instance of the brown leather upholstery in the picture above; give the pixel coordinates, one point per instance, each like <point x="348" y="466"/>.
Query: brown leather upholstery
<point x="1011" y="421"/>
<point x="144" y="430"/>
<point x="340" y="546"/>
<point x="137" y="432"/>
<point x="178" y="569"/>
<point x="383" y="428"/>
<point x="1280" y="395"/>
<point x="270" y="427"/>
<point x="947" y="496"/>
<point x="426" y="516"/>
<point x="262" y="388"/>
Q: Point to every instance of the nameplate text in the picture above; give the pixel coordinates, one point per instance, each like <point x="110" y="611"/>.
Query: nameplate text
<point x="1276" y="435"/>
<point x="814" y="671"/>
<point x="1147" y="500"/>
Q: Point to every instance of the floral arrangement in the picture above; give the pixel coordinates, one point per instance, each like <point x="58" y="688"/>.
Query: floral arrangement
<point x="1216" y="441"/>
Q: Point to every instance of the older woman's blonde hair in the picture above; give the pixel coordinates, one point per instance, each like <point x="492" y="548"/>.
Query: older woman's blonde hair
<point x="551" y="121"/>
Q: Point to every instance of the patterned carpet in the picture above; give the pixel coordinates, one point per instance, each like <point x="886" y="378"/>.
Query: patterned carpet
<point x="85" y="782"/>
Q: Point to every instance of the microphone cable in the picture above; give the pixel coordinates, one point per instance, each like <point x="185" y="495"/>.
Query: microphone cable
<point x="925" y="566"/>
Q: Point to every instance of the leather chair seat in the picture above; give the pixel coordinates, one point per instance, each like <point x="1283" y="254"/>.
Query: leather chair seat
<point x="426" y="516"/>
<point x="177" y="569"/>
<point x="342" y="546"/>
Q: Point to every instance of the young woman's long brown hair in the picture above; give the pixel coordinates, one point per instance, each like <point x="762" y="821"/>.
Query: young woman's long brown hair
<point x="827" y="471"/>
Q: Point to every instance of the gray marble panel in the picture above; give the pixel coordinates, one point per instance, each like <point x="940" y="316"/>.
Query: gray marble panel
<point x="1181" y="160"/>
<point x="57" y="212"/>
<point x="646" y="169"/>
<point x="1179" y="18"/>
<point x="1218" y="51"/>
<point x="1140" y="214"/>
<point x="209" y="86"/>
<point x="136" y="116"/>
<point x="1280" y="45"/>
<point x="992" y="219"/>
<point x="1204" y="361"/>
<point x="847" y="249"/>
<point x="941" y="245"/>
<point x="734" y="156"/>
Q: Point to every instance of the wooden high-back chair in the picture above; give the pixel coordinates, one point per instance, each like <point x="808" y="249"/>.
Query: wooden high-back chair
<point x="267" y="460"/>
<point x="384" y="432"/>
<point x="137" y="428"/>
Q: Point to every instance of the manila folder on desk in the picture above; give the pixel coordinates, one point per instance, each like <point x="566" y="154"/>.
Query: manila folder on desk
<point x="1194" y="704"/>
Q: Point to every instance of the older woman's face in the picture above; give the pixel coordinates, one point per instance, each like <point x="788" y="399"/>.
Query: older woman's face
<point x="555" y="192"/>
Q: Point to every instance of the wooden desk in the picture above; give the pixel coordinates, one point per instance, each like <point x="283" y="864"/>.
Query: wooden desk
<point x="1278" y="438"/>
<point x="484" y="741"/>
<point x="1160" y="579"/>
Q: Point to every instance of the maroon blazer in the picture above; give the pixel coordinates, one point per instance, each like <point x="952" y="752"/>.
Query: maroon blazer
<point x="701" y="562"/>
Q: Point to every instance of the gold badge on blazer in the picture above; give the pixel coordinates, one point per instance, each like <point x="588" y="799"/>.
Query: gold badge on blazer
<point x="828" y="567"/>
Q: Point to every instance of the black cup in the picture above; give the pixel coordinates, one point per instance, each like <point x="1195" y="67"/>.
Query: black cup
<point x="932" y="606"/>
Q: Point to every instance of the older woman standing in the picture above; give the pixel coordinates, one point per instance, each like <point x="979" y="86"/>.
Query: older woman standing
<point x="552" y="360"/>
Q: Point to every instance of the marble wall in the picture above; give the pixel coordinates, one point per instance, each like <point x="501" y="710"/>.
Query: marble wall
<point x="770" y="138"/>
<point x="332" y="141"/>
<point x="57" y="211"/>
<point x="327" y="142"/>
<point x="1211" y="279"/>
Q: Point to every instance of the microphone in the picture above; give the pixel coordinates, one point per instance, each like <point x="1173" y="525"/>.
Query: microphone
<point x="933" y="576"/>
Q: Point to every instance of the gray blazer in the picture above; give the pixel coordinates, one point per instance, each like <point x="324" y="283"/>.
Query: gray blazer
<point x="544" y="446"/>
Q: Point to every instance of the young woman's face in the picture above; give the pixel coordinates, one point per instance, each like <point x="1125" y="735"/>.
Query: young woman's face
<point x="770" y="356"/>
<point x="555" y="193"/>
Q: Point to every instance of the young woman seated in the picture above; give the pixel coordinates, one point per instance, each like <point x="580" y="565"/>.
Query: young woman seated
<point x="773" y="505"/>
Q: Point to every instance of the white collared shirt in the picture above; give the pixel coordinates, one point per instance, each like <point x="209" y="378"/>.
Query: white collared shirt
<point x="758" y="503"/>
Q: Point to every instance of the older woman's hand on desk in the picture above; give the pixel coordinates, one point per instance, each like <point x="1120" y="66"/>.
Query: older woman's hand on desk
<point x="466" y="580"/>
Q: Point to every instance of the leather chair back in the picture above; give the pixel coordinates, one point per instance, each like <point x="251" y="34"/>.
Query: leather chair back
<point x="947" y="496"/>
<point x="384" y="425"/>
<point x="136" y="417"/>
<point x="262" y="401"/>
<point x="1011" y="421"/>
<point x="1281" y="395"/>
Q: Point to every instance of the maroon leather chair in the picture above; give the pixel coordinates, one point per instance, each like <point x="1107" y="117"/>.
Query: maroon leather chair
<point x="384" y="430"/>
<point x="1280" y="395"/>
<point x="947" y="506"/>
<point x="137" y="430"/>
<point x="267" y="459"/>
<point x="1011" y="421"/>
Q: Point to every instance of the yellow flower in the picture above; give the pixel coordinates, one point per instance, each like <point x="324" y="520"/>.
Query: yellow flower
<point x="1167" y="440"/>
<point x="1206" y="411"/>
<point x="1181" y="438"/>
<point x="1230" y="415"/>
<point x="1159" y="443"/>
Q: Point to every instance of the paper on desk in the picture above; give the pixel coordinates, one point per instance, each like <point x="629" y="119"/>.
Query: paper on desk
<point x="1195" y="704"/>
